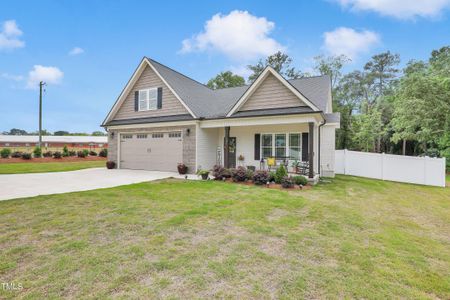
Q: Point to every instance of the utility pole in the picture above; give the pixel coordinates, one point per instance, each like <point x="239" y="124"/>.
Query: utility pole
<point x="41" y="84"/>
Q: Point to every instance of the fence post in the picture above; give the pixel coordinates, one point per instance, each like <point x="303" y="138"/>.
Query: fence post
<point x="444" y="167"/>
<point x="382" y="166"/>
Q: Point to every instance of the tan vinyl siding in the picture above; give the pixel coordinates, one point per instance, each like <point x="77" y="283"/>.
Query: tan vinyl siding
<point x="148" y="79"/>
<point x="271" y="94"/>
<point x="207" y="147"/>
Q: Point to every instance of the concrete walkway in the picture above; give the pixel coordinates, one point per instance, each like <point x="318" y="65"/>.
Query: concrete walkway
<point x="28" y="185"/>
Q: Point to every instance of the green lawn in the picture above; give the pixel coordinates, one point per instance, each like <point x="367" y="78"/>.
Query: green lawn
<point x="16" y="168"/>
<point x="349" y="238"/>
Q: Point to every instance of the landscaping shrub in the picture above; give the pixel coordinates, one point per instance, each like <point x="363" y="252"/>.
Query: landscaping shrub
<point x="57" y="154"/>
<point x="261" y="177"/>
<point x="217" y="172"/>
<point x="5" y="153"/>
<point x="110" y="164"/>
<point x="65" y="151"/>
<point x="103" y="153"/>
<point x="220" y="172"/>
<point x="300" y="180"/>
<point x="287" y="182"/>
<point x="81" y="154"/>
<point x="280" y="174"/>
<point x="92" y="153"/>
<point x="72" y="153"/>
<point x="26" y="156"/>
<point x="47" y="154"/>
<point x="239" y="174"/>
<point x="271" y="176"/>
<point x="86" y="152"/>
<point x="249" y="174"/>
<point x="16" y="154"/>
<point x="37" y="152"/>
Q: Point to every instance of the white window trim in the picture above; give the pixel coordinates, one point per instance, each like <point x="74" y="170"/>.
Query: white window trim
<point x="148" y="99"/>
<point x="288" y="137"/>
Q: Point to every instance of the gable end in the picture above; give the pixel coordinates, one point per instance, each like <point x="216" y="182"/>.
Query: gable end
<point x="271" y="94"/>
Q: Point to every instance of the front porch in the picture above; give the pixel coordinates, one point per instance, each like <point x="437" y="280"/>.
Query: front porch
<point x="252" y="143"/>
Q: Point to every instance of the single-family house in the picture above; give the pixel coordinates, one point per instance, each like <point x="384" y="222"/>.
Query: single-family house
<point x="162" y="118"/>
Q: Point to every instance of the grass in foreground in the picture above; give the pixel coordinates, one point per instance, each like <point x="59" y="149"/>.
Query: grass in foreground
<point x="16" y="168"/>
<point x="351" y="238"/>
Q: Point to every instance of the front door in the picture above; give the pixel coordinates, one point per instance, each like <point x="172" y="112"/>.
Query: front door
<point x="231" y="152"/>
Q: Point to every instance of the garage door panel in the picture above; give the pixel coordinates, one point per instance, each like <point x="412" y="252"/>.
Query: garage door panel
<point x="159" y="154"/>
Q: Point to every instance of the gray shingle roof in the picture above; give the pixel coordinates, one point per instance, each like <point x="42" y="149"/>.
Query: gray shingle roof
<point x="207" y="103"/>
<point x="333" y="118"/>
<point x="150" y="120"/>
<point x="317" y="89"/>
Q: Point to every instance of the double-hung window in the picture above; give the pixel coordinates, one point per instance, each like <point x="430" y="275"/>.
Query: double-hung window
<point x="266" y="145"/>
<point x="148" y="99"/>
<point x="281" y="145"/>
<point x="294" y="146"/>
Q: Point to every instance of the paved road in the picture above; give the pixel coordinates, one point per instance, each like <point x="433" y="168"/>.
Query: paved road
<point x="27" y="185"/>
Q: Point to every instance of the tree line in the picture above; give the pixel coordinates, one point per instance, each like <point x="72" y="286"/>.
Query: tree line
<point x="383" y="108"/>
<point x="17" y="131"/>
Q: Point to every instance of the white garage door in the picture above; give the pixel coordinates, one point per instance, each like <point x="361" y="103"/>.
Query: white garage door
<point x="160" y="151"/>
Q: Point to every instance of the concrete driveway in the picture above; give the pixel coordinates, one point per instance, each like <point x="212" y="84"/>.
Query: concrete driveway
<point x="27" y="185"/>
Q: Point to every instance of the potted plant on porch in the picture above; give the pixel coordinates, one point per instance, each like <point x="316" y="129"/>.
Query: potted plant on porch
<point x="182" y="168"/>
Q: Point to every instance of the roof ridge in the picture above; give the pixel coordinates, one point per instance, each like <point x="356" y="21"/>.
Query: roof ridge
<point x="247" y="85"/>
<point x="309" y="77"/>
<point x="173" y="70"/>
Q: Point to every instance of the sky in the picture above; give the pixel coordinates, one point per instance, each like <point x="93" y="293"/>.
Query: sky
<point x="87" y="50"/>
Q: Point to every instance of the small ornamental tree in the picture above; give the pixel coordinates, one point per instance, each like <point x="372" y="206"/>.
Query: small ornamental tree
<point x="280" y="173"/>
<point x="37" y="152"/>
<point x="65" y="151"/>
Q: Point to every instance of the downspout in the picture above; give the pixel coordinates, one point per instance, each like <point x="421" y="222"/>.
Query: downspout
<point x="320" y="126"/>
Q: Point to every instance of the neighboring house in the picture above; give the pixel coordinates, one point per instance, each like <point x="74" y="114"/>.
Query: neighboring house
<point x="163" y="118"/>
<point x="51" y="141"/>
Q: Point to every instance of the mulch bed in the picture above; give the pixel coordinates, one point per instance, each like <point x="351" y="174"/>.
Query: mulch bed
<point x="271" y="185"/>
<point x="51" y="159"/>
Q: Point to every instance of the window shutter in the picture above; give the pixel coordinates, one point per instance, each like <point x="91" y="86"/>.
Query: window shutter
<point x="159" y="98"/>
<point x="136" y="101"/>
<point x="304" y="146"/>
<point x="257" y="146"/>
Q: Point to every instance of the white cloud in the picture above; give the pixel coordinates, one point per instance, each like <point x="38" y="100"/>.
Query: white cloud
<point x="349" y="42"/>
<point x="10" y="36"/>
<point x="76" y="51"/>
<point x="239" y="35"/>
<point x="241" y="70"/>
<point x="12" y="77"/>
<point x="50" y="75"/>
<point x="401" y="9"/>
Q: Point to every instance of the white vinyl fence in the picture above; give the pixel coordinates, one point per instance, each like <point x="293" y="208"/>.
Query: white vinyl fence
<point x="420" y="170"/>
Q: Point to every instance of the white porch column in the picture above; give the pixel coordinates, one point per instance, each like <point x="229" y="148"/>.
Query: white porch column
<point x="311" y="156"/>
